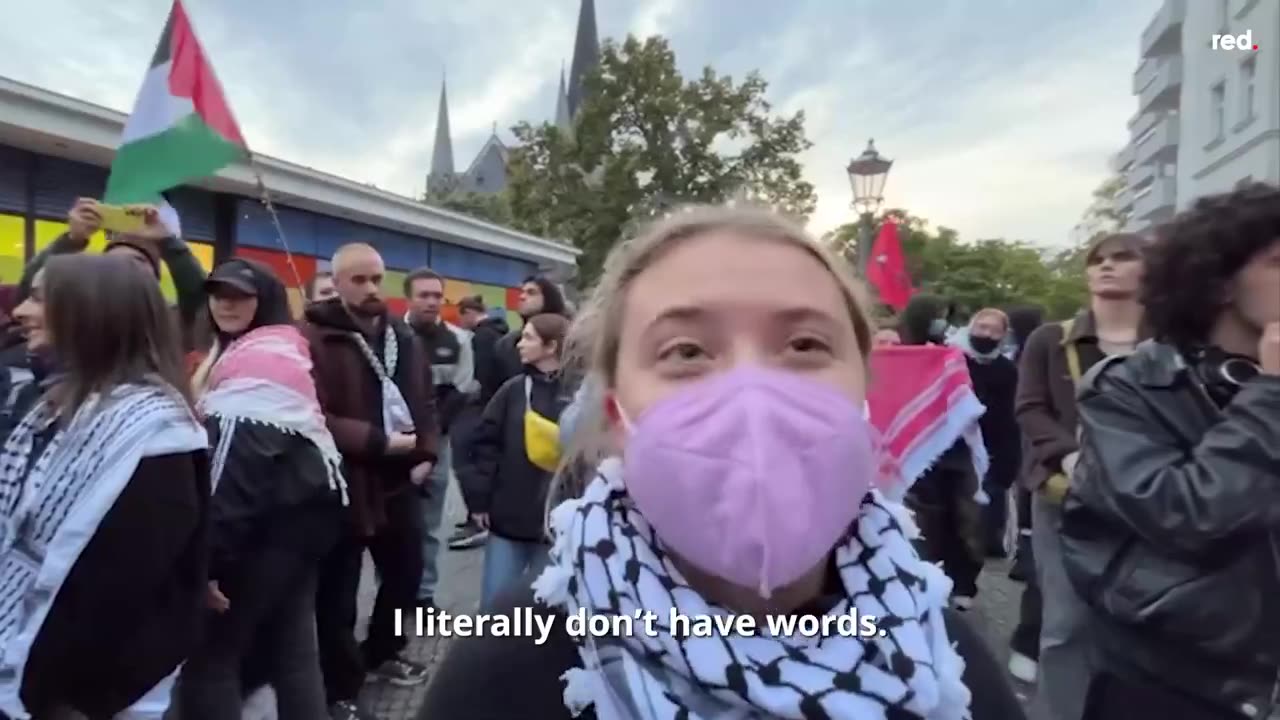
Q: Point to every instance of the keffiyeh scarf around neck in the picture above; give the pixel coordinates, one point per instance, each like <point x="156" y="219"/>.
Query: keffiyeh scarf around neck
<point x="265" y="377"/>
<point x="607" y="561"/>
<point x="51" y="504"/>
<point x="395" y="411"/>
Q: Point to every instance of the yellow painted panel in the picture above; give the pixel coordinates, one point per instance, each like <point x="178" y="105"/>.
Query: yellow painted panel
<point x="47" y="231"/>
<point x="203" y="253"/>
<point x="12" y="232"/>
<point x="393" y="284"/>
<point x="513" y="320"/>
<point x="493" y="295"/>
<point x="455" y="290"/>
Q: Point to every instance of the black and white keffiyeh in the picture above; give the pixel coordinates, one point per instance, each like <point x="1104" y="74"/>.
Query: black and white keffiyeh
<point x="51" y="505"/>
<point x="396" y="416"/>
<point x="607" y="561"/>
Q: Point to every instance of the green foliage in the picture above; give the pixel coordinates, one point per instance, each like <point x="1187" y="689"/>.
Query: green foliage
<point x="997" y="272"/>
<point x="983" y="273"/>
<point x="646" y="139"/>
<point x="492" y="208"/>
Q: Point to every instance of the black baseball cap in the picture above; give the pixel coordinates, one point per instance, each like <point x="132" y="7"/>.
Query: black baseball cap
<point x="232" y="274"/>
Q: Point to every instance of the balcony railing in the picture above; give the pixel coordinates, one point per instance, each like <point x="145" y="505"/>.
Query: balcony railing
<point x="1163" y="33"/>
<point x="1162" y="92"/>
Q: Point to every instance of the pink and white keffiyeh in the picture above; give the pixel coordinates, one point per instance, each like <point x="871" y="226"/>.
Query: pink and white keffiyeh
<point x="264" y="376"/>
<point x="921" y="400"/>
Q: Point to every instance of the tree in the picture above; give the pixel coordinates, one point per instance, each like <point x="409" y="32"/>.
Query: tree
<point x="647" y="139"/>
<point x="493" y="208"/>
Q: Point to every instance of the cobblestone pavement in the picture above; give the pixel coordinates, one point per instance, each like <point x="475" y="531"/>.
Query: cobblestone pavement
<point x="459" y="592"/>
<point x="995" y="616"/>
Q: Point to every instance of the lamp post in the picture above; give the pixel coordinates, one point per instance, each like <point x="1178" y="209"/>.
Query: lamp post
<point x="867" y="175"/>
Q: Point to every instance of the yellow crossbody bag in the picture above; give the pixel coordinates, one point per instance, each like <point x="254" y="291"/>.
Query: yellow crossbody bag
<point x="541" y="436"/>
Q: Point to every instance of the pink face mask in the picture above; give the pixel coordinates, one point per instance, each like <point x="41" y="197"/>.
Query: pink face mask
<point x="752" y="475"/>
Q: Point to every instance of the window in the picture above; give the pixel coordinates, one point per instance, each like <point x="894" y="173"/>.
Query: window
<point x="1217" y="111"/>
<point x="1248" y="83"/>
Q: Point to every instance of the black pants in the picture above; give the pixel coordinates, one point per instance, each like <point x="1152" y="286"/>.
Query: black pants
<point x="995" y="515"/>
<point x="1113" y="698"/>
<point x="950" y="523"/>
<point x="271" y="615"/>
<point x="396" y="550"/>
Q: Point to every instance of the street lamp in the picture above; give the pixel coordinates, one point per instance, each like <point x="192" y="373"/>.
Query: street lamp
<point x="867" y="175"/>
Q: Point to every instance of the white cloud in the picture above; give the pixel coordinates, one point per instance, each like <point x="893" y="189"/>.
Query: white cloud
<point x="989" y="145"/>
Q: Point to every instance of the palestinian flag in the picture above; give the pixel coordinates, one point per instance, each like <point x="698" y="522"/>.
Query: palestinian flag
<point x="181" y="128"/>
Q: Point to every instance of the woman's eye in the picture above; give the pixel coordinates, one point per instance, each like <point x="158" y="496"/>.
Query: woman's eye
<point x="684" y="351"/>
<point x="808" y="345"/>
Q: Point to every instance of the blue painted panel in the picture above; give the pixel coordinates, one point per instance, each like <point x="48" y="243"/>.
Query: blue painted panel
<point x="13" y="179"/>
<point x="399" y="250"/>
<point x="255" y="229"/>
<point x="195" y="210"/>
<point x="332" y="233"/>
<point x="59" y="182"/>
<point x="463" y="263"/>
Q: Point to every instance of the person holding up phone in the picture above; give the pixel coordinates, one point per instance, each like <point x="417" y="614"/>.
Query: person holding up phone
<point x="152" y="244"/>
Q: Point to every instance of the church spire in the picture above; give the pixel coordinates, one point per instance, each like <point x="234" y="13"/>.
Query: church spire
<point x="564" y="119"/>
<point x="586" y="54"/>
<point x="442" y="168"/>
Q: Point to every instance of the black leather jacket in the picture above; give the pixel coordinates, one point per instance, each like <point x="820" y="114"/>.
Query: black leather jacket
<point x="1171" y="529"/>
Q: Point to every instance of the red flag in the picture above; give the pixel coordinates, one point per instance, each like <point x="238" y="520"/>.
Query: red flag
<point x="887" y="268"/>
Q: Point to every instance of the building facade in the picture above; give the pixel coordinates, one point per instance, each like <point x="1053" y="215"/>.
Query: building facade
<point x="54" y="148"/>
<point x="1208" y="118"/>
<point x="487" y="172"/>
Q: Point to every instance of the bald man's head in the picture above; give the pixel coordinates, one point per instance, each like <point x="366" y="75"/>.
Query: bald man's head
<point x="357" y="276"/>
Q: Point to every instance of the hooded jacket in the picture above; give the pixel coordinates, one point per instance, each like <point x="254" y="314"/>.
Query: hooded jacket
<point x="273" y="491"/>
<point x="484" y="343"/>
<point x="351" y="396"/>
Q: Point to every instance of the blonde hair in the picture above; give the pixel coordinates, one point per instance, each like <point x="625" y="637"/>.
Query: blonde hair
<point x="999" y="314"/>
<point x="344" y="253"/>
<point x="592" y="344"/>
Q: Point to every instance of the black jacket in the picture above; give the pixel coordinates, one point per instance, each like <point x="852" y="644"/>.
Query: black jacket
<point x="995" y="382"/>
<point x="131" y="608"/>
<point x="444" y="353"/>
<point x="273" y="492"/>
<point x="484" y="343"/>
<point x="498" y="678"/>
<point x="498" y="478"/>
<point x="1171" y="529"/>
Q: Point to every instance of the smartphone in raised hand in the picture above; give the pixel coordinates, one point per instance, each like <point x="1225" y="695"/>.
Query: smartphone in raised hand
<point x="122" y="219"/>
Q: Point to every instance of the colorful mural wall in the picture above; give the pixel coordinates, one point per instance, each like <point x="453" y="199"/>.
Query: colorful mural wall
<point x="313" y="239"/>
<point x="42" y="189"/>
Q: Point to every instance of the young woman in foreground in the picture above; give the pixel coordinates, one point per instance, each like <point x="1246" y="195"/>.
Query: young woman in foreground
<point x="732" y="352"/>
<point x="104" y="496"/>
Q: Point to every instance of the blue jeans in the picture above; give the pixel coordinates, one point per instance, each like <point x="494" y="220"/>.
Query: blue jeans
<point x="505" y="561"/>
<point x="437" y="486"/>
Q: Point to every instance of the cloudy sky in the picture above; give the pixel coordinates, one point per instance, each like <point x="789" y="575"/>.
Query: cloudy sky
<point x="1000" y="114"/>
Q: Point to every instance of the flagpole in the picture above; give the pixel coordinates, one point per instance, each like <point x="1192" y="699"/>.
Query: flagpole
<point x="265" y="199"/>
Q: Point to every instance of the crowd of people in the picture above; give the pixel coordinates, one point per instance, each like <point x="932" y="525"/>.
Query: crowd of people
<point x="187" y="495"/>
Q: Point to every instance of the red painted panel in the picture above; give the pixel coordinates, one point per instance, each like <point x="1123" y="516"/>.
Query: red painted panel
<point x="398" y="306"/>
<point x="513" y="298"/>
<point x="279" y="262"/>
<point x="450" y="313"/>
